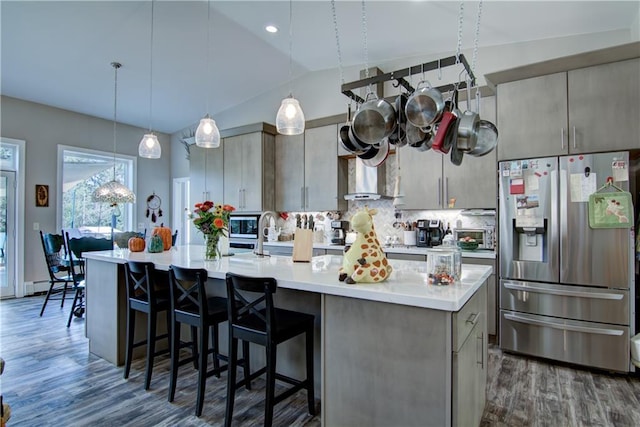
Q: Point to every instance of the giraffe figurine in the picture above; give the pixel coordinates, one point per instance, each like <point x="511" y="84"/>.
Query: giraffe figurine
<point x="364" y="262"/>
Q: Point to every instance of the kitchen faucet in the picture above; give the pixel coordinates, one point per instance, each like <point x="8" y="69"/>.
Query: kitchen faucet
<point x="258" y="250"/>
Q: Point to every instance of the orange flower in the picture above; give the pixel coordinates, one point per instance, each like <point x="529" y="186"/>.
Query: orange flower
<point x="228" y="208"/>
<point x="218" y="223"/>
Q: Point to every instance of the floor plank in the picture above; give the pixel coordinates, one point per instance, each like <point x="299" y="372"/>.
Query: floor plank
<point x="51" y="379"/>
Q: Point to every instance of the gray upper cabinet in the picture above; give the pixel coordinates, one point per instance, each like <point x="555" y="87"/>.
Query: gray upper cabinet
<point x="249" y="171"/>
<point x="206" y="178"/>
<point x="532" y="117"/>
<point x="309" y="174"/>
<point x="289" y="173"/>
<point x="604" y="107"/>
<point x="581" y="111"/>
<point x="431" y="181"/>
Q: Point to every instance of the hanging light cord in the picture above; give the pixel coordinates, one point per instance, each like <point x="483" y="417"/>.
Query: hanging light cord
<point x="208" y="49"/>
<point x="115" y="117"/>
<point x="290" y="47"/>
<point x="335" y="26"/>
<point x="364" y="40"/>
<point x="151" y="69"/>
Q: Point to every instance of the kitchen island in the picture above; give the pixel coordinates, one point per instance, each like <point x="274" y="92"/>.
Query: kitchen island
<point x="401" y="352"/>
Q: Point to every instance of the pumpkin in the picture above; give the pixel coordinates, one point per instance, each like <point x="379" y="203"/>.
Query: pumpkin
<point x="136" y="244"/>
<point x="155" y="244"/>
<point x="165" y="235"/>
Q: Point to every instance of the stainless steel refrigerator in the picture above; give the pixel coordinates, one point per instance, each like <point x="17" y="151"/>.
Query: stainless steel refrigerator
<point x="567" y="290"/>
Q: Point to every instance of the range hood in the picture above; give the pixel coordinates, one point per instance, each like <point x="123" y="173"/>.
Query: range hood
<point x="370" y="182"/>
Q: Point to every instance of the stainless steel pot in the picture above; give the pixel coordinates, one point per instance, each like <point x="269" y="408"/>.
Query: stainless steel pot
<point x="375" y="120"/>
<point x="468" y="125"/>
<point x="425" y="106"/>
<point x="487" y="139"/>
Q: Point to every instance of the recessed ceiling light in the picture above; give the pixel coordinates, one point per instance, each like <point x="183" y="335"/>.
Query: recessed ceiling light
<point x="271" y="29"/>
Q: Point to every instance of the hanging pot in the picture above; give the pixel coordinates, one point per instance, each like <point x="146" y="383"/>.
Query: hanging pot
<point x="380" y="157"/>
<point x="456" y="153"/>
<point x="468" y="131"/>
<point x="344" y="136"/>
<point x="487" y="139"/>
<point x="443" y="139"/>
<point x="375" y="120"/>
<point x="358" y="145"/>
<point x="417" y="137"/>
<point x="424" y="107"/>
<point x="399" y="136"/>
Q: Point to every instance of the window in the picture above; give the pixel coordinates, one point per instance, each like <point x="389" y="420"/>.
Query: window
<point x="81" y="172"/>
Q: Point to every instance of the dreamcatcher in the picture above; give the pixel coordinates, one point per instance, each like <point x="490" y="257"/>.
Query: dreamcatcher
<point x="153" y="207"/>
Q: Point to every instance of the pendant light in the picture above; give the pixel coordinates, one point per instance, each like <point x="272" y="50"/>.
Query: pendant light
<point x="113" y="192"/>
<point x="149" y="146"/>
<point x="290" y="118"/>
<point x="208" y="134"/>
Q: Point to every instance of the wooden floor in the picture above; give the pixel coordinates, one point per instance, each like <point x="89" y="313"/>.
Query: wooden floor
<point x="50" y="379"/>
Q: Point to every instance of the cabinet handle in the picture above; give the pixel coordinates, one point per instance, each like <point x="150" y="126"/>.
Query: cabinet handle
<point x="306" y="197"/>
<point x="574" y="137"/>
<point x="439" y="199"/>
<point x="562" y="138"/>
<point x="301" y="197"/>
<point x="240" y="198"/>
<point x="481" y="342"/>
<point x="473" y="318"/>
<point x="244" y="198"/>
<point x="445" y="202"/>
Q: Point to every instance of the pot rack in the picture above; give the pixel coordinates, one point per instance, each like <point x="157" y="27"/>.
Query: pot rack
<point x="398" y="76"/>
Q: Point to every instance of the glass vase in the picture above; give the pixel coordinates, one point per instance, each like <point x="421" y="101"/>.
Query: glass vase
<point x="211" y="251"/>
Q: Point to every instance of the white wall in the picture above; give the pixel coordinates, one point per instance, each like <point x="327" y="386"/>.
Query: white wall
<point x="43" y="128"/>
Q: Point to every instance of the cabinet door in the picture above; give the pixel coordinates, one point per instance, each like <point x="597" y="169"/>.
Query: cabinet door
<point x="289" y="171"/>
<point x="206" y="179"/>
<point x="532" y="117"/>
<point x="474" y="183"/>
<point x="233" y="171"/>
<point x="252" y="151"/>
<point x="604" y="107"/>
<point x="465" y="383"/>
<point x="421" y="176"/>
<point x="321" y="174"/>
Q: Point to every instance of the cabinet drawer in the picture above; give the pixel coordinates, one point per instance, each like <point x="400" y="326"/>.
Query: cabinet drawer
<point x="466" y="319"/>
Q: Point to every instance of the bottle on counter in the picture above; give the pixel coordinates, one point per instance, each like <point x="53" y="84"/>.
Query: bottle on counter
<point x="448" y="230"/>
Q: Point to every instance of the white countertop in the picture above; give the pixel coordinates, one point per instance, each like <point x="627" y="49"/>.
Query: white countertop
<point x="407" y="284"/>
<point x="485" y="254"/>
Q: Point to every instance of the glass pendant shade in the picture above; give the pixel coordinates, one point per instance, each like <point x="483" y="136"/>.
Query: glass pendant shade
<point x="290" y="118"/>
<point x="208" y="134"/>
<point x="113" y="193"/>
<point x="149" y="147"/>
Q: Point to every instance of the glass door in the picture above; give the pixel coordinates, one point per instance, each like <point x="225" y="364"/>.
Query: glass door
<point x="7" y="233"/>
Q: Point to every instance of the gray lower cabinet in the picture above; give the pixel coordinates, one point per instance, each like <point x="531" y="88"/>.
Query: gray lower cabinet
<point x="492" y="294"/>
<point x="584" y="110"/>
<point x="309" y="174"/>
<point x="288" y="250"/>
<point x="249" y="172"/>
<point x="428" y="369"/>
<point x="431" y="181"/>
<point x="406" y="257"/>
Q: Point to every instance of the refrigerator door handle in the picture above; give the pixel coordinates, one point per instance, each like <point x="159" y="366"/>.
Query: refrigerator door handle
<point x="562" y="292"/>
<point x="562" y="138"/>
<point x="562" y="326"/>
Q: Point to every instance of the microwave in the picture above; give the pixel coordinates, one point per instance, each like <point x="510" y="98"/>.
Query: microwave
<point x="484" y="236"/>
<point x="243" y="226"/>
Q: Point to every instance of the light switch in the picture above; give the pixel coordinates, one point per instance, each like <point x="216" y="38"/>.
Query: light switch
<point x="36" y="226"/>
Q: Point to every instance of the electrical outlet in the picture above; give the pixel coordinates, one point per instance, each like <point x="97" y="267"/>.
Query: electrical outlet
<point x="36" y="226"/>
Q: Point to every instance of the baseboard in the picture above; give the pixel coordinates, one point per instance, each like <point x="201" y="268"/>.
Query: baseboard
<point x="31" y="288"/>
<point x="28" y="288"/>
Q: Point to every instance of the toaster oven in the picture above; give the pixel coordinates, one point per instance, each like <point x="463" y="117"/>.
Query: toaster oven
<point x="484" y="236"/>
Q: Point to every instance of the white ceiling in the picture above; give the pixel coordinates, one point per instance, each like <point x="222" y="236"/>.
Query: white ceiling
<point x="58" y="53"/>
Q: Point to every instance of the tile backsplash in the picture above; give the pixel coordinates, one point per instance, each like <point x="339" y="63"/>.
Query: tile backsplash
<point x="386" y="212"/>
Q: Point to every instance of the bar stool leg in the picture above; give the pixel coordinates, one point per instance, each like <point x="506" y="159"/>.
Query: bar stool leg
<point x="310" y="380"/>
<point x="231" y="380"/>
<point x="152" y="317"/>
<point x="216" y="352"/>
<point x="202" y="372"/>
<point x="175" y="356"/>
<point x="131" y="325"/>
<point x="271" y="384"/>
<point x="246" y="356"/>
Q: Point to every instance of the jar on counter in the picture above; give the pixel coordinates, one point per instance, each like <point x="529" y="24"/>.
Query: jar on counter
<point x="444" y="265"/>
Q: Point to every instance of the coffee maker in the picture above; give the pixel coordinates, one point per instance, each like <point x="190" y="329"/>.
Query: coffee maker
<point x="430" y="233"/>
<point x="338" y="232"/>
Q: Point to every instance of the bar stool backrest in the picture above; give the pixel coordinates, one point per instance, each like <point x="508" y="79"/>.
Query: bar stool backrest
<point x="188" y="290"/>
<point x="140" y="280"/>
<point x="52" y="247"/>
<point x="250" y="302"/>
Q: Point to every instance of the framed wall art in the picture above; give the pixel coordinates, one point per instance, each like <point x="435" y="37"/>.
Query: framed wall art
<point x="42" y="196"/>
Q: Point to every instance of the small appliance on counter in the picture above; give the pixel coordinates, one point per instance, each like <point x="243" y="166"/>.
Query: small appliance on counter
<point x="338" y="232"/>
<point x="483" y="236"/>
<point x="430" y="233"/>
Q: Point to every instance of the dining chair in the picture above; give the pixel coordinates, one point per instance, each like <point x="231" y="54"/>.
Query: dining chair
<point x="60" y="279"/>
<point x="254" y="318"/>
<point x="75" y="247"/>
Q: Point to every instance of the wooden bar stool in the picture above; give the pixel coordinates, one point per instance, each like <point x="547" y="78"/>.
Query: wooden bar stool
<point x="145" y="295"/>
<point x="253" y="318"/>
<point x="191" y="305"/>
